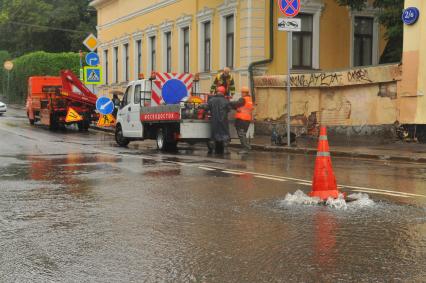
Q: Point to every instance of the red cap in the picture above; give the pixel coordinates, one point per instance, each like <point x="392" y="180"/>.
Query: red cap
<point x="221" y="89"/>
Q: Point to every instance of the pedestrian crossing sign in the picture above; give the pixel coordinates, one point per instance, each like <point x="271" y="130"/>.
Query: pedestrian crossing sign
<point x="72" y="116"/>
<point x="93" y="75"/>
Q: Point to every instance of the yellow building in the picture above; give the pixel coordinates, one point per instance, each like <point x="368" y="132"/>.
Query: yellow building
<point x="203" y="36"/>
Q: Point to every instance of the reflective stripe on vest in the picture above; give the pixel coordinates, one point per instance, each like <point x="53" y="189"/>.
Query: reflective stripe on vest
<point x="245" y="112"/>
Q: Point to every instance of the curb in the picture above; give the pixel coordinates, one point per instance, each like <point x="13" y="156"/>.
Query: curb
<point x="106" y="130"/>
<point x="311" y="151"/>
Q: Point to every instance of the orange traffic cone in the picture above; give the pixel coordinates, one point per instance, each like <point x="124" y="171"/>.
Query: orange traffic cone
<point x="324" y="183"/>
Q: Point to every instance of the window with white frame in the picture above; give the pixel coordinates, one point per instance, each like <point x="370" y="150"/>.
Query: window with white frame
<point x="153" y="54"/>
<point x="229" y="40"/>
<point x="115" y="64"/>
<point x="228" y="18"/>
<point x="106" y="66"/>
<point x="205" y="20"/>
<point x="365" y="37"/>
<point x="138" y="57"/>
<point x="363" y="41"/>
<point x="184" y="38"/>
<point x="305" y="57"/>
<point x="125" y="62"/>
<point x="185" y="32"/>
<point x="207" y="46"/>
<point x="302" y="43"/>
<point x="168" y="49"/>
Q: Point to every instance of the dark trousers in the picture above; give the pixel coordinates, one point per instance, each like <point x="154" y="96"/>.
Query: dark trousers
<point x="242" y="127"/>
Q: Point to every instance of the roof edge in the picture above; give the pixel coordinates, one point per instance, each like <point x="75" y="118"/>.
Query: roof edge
<point x="97" y="3"/>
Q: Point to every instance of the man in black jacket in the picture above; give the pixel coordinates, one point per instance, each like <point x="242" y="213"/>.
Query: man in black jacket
<point x="219" y="108"/>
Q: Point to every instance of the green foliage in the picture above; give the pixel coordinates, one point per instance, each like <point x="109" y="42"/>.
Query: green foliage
<point x="48" y="25"/>
<point x="39" y="64"/>
<point x="389" y="15"/>
<point x="4" y="56"/>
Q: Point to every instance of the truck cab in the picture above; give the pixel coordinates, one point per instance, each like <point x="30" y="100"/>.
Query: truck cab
<point x="137" y="93"/>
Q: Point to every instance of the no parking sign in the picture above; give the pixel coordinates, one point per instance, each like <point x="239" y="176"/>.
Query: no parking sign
<point x="289" y="8"/>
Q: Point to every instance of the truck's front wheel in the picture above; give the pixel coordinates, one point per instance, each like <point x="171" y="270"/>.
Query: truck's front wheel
<point x="119" y="138"/>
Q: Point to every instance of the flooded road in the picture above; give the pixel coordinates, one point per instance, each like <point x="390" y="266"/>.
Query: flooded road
<point x="75" y="208"/>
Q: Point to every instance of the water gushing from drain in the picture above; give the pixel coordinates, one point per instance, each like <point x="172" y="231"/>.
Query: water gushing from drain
<point x="358" y="200"/>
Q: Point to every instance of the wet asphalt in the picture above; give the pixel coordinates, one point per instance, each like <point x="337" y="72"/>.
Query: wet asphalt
<point x="74" y="207"/>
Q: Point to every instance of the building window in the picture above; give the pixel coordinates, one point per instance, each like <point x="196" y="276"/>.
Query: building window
<point x="185" y="32"/>
<point x="138" y="57"/>
<point x="168" y="38"/>
<point x="152" y="53"/>
<point x="207" y="46"/>
<point x="363" y="41"/>
<point x="106" y="66"/>
<point x="126" y="62"/>
<point x="302" y="43"/>
<point x="115" y="64"/>
<point x="229" y="41"/>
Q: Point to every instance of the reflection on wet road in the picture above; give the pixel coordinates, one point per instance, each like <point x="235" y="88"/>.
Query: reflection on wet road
<point x="74" y="208"/>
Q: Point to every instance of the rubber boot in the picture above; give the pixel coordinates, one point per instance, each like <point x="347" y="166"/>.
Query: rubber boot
<point x="210" y="146"/>
<point x="226" y="148"/>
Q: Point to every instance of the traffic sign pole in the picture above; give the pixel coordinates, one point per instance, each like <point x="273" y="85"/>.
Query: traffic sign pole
<point x="289" y="63"/>
<point x="290" y="9"/>
<point x="8" y="85"/>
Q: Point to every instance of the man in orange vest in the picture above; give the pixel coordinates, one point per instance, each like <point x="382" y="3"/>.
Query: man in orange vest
<point x="243" y="118"/>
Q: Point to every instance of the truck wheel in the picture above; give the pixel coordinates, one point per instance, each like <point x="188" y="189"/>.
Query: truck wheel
<point x="83" y="126"/>
<point x="53" y="123"/>
<point x="162" y="143"/>
<point x="119" y="138"/>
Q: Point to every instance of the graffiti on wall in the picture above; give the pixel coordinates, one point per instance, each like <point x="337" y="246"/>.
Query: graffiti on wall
<point x="316" y="80"/>
<point x="358" y="76"/>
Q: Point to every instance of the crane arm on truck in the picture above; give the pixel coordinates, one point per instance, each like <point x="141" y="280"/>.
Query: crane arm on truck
<point x="75" y="90"/>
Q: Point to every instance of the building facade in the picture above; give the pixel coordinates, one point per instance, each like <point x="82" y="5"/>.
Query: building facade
<point x="203" y="36"/>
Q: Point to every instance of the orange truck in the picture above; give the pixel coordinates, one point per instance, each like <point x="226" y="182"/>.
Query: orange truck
<point x="59" y="101"/>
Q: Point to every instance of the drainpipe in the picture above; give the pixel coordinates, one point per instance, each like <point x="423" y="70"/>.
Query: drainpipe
<point x="271" y="49"/>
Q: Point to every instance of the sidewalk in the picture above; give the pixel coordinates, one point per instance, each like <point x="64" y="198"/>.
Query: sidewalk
<point x="397" y="151"/>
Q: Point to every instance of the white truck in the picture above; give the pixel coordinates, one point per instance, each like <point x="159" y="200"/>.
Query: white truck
<point x="164" y="108"/>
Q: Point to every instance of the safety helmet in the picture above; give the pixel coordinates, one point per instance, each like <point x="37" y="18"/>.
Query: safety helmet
<point x="221" y="89"/>
<point x="245" y="90"/>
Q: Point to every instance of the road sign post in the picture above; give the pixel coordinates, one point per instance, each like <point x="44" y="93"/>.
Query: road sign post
<point x="8" y="66"/>
<point x="290" y="8"/>
<point x="289" y="65"/>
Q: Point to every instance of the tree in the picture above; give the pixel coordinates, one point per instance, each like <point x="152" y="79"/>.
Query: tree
<point x="48" y="25"/>
<point x="389" y="15"/>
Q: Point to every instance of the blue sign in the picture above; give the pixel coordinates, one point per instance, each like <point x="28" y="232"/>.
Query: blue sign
<point x="289" y="8"/>
<point x="410" y="15"/>
<point x="104" y="105"/>
<point x="92" y="59"/>
<point x="92" y="75"/>
<point x="174" y="91"/>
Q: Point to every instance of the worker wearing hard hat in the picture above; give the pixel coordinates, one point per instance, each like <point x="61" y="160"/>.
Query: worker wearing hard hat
<point x="243" y="118"/>
<point x="219" y="108"/>
<point x="226" y="80"/>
